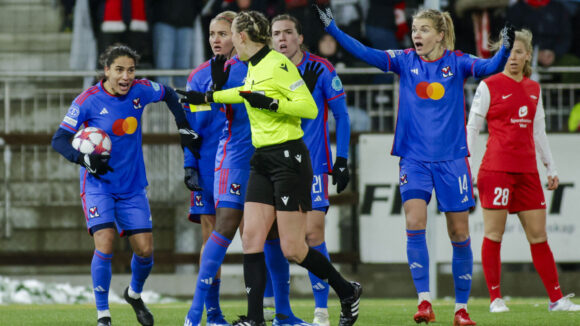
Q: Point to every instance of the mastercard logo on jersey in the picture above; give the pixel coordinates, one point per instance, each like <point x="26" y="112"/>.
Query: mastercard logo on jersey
<point x="126" y="126"/>
<point x="434" y="91"/>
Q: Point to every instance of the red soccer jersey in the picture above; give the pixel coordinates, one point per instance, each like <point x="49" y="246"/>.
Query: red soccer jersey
<point x="513" y="107"/>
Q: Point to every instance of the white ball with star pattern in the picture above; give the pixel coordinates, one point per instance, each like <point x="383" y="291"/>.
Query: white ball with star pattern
<point x="92" y="140"/>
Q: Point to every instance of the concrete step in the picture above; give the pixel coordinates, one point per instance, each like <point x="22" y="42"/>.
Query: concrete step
<point x="35" y="43"/>
<point x="19" y="61"/>
<point x="27" y="2"/>
<point x="23" y="18"/>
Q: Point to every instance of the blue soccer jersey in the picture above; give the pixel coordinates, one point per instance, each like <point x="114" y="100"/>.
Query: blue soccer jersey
<point x="205" y="121"/>
<point x="328" y="93"/>
<point x="120" y="118"/>
<point x="235" y="144"/>
<point x="431" y="116"/>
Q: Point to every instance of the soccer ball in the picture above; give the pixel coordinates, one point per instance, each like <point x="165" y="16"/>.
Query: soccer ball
<point x="92" y="140"/>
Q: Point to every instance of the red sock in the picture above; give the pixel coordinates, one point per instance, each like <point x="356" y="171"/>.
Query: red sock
<point x="491" y="261"/>
<point x="546" y="267"/>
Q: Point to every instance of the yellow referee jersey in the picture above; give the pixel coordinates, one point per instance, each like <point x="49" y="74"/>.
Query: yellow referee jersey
<point x="275" y="76"/>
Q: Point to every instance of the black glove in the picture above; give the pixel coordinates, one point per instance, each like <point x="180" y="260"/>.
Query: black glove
<point x="96" y="164"/>
<point x="259" y="101"/>
<point x="325" y="15"/>
<point x="508" y="36"/>
<point x="191" y="140"/>
<point x="219" y="76"/>
<point x="311" y="73"/>
<point x="191" y="179"/>
<point x="340" y="174"/>
<point x="191" y="97"/>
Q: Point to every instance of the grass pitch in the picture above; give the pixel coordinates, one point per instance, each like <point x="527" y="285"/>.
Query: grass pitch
<point x="528" y="311"/>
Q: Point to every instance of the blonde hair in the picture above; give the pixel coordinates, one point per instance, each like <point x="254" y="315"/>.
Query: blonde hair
<point x="442" y="22"/>
<point x="524" y="36"/>
<point x="255" y="24"/>
<point x="225" y="15"/>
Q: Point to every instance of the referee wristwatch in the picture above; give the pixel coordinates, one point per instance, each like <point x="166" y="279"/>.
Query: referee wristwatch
<point x="273" y="106"/>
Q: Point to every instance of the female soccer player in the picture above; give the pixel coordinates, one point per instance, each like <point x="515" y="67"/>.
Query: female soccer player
<point x="199" y="172"/>
<point x="430" y="140"/>
<point x="508" y="178"/>
<point x="327" y="91"/>
<point x="276" y="98"/>
<point x="113" y="188"/>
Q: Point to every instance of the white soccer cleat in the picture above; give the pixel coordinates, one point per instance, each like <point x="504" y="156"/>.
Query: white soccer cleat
<point x="498" y="305"/>
<point x="321" y="317"/>
<point x="564" y="304"/>
<point x="269" y="313"/>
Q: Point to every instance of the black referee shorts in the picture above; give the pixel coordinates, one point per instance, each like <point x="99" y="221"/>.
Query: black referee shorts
<point x="281" y="176"/>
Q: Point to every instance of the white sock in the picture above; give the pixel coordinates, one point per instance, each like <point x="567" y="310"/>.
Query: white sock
<point x="424" y="296"/>
<point x="459" y="306"/>
<point x="133" y="294"/>
<point x="103" y="313"/>
<point x="269" y="302"/>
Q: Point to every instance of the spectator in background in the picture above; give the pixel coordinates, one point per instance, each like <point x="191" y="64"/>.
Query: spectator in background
<point x="67" y="15"/>
<point x="549" y="22"/>
<point x="302" y="11"/>
<point x="173" y="36"/>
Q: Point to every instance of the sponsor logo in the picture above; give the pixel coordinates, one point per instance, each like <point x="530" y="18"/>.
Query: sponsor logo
<point x="207" y="281"/>
<point x="434" y="91"/>
<point x="415" y="71"/>
<point x="534" y="97"/>
<point x="336" y="83"/>
<point x="319" y="286"/>
<point x="543" y="203"/>
<point x="296" y="84"/>
<point x="285" y="199"/>
<point x="70" y="121"/>
<point x="495" y="287"/>
<point x="466" y="277"/>
<point x="198" y="201"/>
<point x="73" y="111"/>
<point x="415" y="265"/>
<point x="93" y="212"/>
<point x="464" y="200"/>
<point x="248" y="290"/>
<point x="235" y="189"/>
<point x="447" y="72"/>
<point x="137" y="103"/>
<point x="505" y="96"/>
<point x="283" y="66"/>
<point x="125" y="126"/>
<point x="104" y="111"/>
<point x="155" y="86"/>
<point x="394" y="53"/>
<point x="523" y="111"/>
<point x="298" y="158"/>
<point x="318" y="198"/>
<point x="557" y="287"/>
<point x="100" y="289"/>
<point x="403" y="179"/>
<point x="286" y="153"/>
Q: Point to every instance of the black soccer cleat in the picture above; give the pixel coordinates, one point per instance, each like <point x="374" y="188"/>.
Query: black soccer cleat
<point x="104" y="321"/>
<point x="144" y="316"/>
<point x="349" y="306"/>
<point x="245" y="321"/>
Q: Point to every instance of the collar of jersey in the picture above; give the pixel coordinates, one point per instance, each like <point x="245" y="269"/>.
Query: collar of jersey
<point x="259" y="55"/>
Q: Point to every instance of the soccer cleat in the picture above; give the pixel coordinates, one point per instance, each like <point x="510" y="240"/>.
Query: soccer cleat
<point x="245" y="321"/>
<point x="104" y="321"/>
<point x="349" y="306"/>
<point x="269" y="313"/>
<point x="498" y="305"/>
<point x="321" y="317"/>
<point x="564" y="304"/>
<point x="462" y="318"/>
<point x="144" y="316"/>
<point x="217" y="320"/>
<point x="289" y="321"/>
<point x="424" y="313"/>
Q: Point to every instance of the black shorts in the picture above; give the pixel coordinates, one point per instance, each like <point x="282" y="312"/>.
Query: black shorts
<point x="281" y="176"/>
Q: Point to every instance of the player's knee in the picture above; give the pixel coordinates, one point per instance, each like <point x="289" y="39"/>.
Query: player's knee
<point x="144" y="251"/>
<point x="458" y="234"/>
<point x="294" y="251"/>
<point x="537" y="236"/>
<point x="314" y="237"/>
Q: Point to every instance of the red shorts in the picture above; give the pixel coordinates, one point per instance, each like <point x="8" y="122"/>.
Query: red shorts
<point x="515" y="192"/>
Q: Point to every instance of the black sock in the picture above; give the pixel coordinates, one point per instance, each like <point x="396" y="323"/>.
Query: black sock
<point x="255" y="278"/>
<point x="318" y="265"/>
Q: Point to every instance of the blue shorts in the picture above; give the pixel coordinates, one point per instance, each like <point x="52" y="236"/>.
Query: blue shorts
<point x="450" y="179"/>
<point x="320" y="192"/>
<point x="129" y="212"/>
<point x="202" y="202"/>
<point x="229" y="187"/>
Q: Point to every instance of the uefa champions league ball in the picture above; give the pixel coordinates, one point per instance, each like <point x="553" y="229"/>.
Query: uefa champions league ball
<point x="92" y="140"/>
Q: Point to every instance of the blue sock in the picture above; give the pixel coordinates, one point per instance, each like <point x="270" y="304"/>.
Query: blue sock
<point x="101" y="273"/>
<point x="211" y="260"/>
<point x="269" y="290"/>
<point x="140" y="269"/>
<point x="212" y="300"/>
<point x="319" y="287"/>
<point x="462" y="268"/>
<point x="418" y="258"/>
<point x="279" y="269"/>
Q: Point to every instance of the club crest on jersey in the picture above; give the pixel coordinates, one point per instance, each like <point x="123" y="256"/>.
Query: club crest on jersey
<point x="403" y="180"/>
<point x="93" y="212"/>
<point x="523" y="111"/>
<point x="235" y="189"/>
<point x="446" y="72"/>
<point x="137" y="103"/>
<point x="198" y="201"/>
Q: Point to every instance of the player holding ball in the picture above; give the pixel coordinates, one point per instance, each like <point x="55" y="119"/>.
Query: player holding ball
<point x="113" y="187"/>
